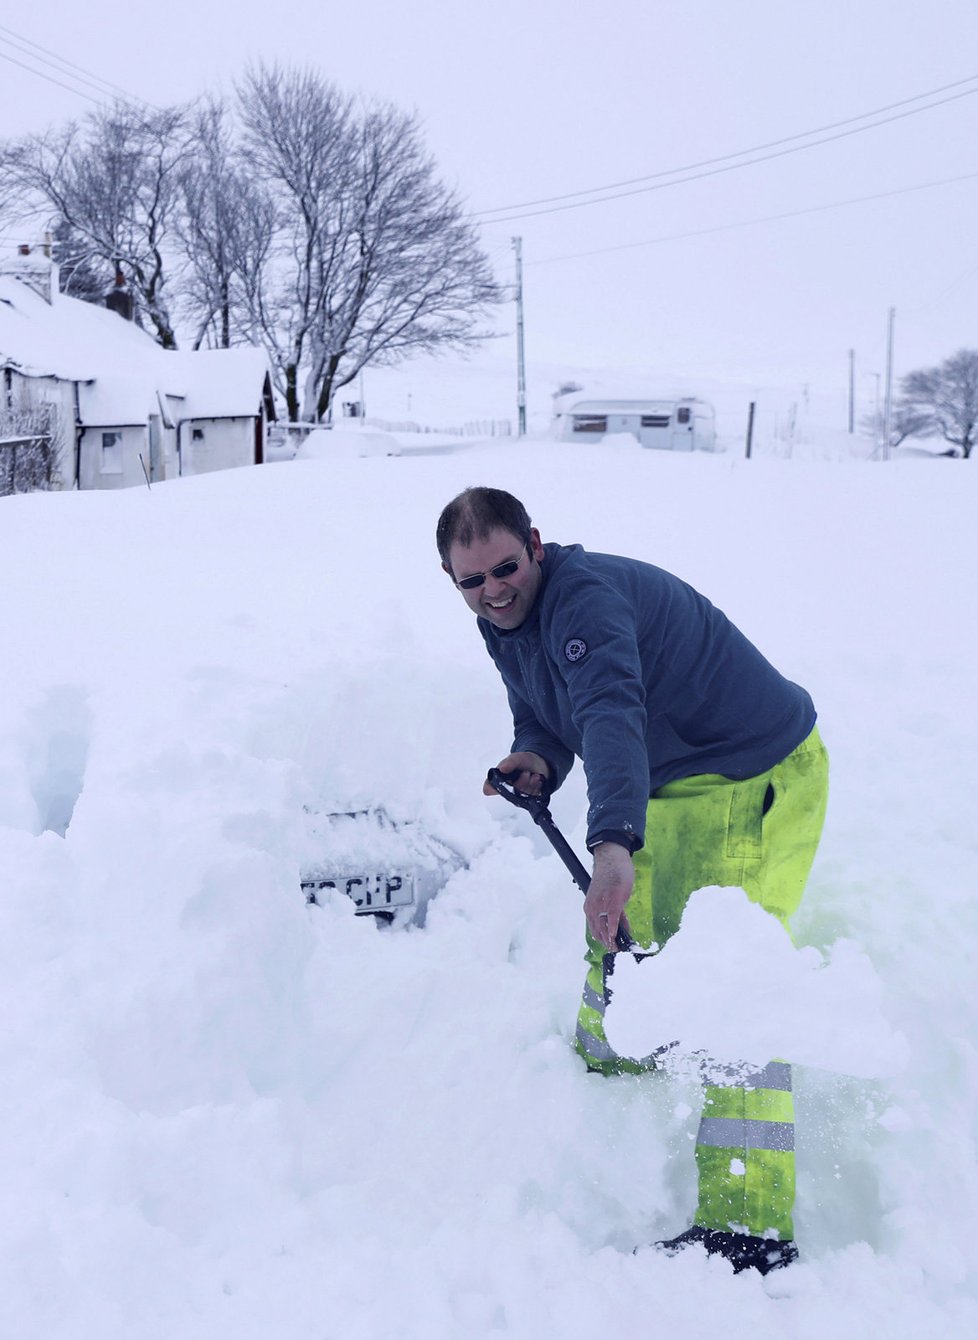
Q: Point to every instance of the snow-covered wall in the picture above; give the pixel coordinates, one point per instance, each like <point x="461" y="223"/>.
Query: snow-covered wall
<point x="217" y="444"/>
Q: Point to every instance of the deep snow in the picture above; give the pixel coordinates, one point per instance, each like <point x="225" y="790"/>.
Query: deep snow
<point x="229" y="1114"/>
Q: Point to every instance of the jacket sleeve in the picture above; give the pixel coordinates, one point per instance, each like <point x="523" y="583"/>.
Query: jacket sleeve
<point x="593" y="641"/>
<point x="529" y="735"/>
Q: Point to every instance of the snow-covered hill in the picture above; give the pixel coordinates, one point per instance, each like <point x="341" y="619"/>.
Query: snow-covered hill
<point x="226" y="1113"/>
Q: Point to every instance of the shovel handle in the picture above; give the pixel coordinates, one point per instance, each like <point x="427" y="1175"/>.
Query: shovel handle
<point x="536" y="807"/>
<point x="505" y="784"/>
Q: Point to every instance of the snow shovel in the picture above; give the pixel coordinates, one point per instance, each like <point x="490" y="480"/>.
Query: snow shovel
<point x="536" y="808"/>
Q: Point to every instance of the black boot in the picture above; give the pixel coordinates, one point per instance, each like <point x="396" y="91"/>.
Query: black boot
<point x="743" y="1251"/>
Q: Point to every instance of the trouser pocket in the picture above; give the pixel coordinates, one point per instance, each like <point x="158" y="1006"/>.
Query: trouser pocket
<point x="749" y="802"/>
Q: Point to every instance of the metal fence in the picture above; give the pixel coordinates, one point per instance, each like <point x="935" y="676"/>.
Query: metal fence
<point x="471" y="428"/>
<point x="26" y="464"/>
<point x="284" y="439"/>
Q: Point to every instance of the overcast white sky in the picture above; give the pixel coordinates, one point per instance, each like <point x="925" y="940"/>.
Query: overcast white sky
<point x="527" y="99"/>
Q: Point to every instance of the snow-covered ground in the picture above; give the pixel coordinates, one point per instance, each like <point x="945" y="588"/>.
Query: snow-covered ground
<point x="226" y="1113"/>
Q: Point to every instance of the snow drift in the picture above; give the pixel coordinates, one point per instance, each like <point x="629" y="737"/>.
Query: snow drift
<point x="230" y="1113"/>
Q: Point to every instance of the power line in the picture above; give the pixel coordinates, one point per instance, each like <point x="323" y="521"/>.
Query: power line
<point x="62" y="66"/>
<point x="20" y="42"/>
<point x="690" y="172"/>
<point x="939" y="297"/>
<point x="707" y="162"/>
<point x="748" y="223"/>
<point x="41" y="75"/>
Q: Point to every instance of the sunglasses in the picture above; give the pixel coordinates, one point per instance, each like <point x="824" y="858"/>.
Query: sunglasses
<point x="500" y="571"/>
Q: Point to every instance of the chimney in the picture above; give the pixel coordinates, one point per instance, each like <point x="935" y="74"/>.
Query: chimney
<point x="35" y="270"/>
<point x="119" y="298"/>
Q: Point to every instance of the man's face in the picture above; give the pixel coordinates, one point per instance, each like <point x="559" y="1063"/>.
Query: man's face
<point x="504" y="601"/>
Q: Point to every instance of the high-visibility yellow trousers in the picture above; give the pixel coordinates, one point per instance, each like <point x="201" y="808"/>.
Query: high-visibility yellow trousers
<point x="759" y="835"/>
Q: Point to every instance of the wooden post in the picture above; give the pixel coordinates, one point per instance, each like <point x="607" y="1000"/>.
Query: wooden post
<point x="888" y="401"/>
<point x="852" y="390"/>
<point x="520" y="349"/>
<point x="750" y="428"/>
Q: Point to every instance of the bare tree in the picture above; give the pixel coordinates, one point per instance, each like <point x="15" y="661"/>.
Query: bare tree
<point x="112" y="181"/>
<point x="373" y="259"/>
<point x="946" y="397"/>
<point x="82" y="273"/>
<point x="906" y="420"/>
<point x="226" y="229"/>
<point x="313" y="225"/>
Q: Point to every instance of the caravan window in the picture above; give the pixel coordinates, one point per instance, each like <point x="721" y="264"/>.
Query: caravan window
<point x="590" y="423"/>
<point x="682" y="414"/>
<point x="655" y="420"/>
<point x="111" y="454"/>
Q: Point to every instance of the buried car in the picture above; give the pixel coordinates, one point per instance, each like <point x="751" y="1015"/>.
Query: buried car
<point x="389" y="868"/>
<point x="332" y="444"/>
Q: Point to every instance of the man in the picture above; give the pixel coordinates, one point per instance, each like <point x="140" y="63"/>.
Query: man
<point x="704" y="767"/>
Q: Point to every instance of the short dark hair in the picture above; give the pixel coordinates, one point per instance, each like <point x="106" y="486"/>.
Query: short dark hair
<point x="475" y="513"/>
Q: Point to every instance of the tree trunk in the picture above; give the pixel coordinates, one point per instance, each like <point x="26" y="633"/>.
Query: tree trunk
<point x="291" y="394"/>
<point x="326" y="386"/>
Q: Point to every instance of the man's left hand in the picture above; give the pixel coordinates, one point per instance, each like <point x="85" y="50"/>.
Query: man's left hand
<point x="611" y="887"/>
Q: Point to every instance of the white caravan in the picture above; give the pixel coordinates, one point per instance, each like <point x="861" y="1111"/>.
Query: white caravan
<point x="682" y="424"/>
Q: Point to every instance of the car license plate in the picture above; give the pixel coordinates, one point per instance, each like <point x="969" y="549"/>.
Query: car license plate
<point x="370" y="893"/>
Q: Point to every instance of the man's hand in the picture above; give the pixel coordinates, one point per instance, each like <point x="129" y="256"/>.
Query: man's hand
<point x="611" y="886"/>
<point x="533" y="774"/>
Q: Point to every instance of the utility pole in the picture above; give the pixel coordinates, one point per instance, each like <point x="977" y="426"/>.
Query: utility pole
<point x="520" y="353"/>
<point x="888" y="399"/>
<point x="877" y="410"/>
<point x="852" y="390"/>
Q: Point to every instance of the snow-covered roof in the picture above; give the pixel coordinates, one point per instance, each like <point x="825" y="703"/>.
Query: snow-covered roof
<point x="66" y="338"/>
<point x="220" y="383"/>
<point x="181" y="385"/>
<point x="126" y="398"/>
<point x="123" y="373"/>
<point x="625" y="397"/>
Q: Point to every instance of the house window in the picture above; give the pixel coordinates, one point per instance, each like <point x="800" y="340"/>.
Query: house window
<point x="197" y="435"/>
<point x="111" y="454"/>
<point x="590" y="423"/>
<point x="655" y="420"/>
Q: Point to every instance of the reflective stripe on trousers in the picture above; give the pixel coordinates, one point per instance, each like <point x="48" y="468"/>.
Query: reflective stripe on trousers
<point x="745" y="1155"/>
<point x="590" y="1040"/>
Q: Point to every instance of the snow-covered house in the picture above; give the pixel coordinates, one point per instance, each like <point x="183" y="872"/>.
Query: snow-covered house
<point x="674" y="422"/>
<point x="123" y="409"/>
<point x="225" y="408"/>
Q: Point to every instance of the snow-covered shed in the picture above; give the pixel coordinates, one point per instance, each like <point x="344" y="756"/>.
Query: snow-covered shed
<point x="673" y="422"/>
<point x="122" y="408"/>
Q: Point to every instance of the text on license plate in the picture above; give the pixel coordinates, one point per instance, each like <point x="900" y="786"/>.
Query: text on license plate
<point x="370" y="893"/>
